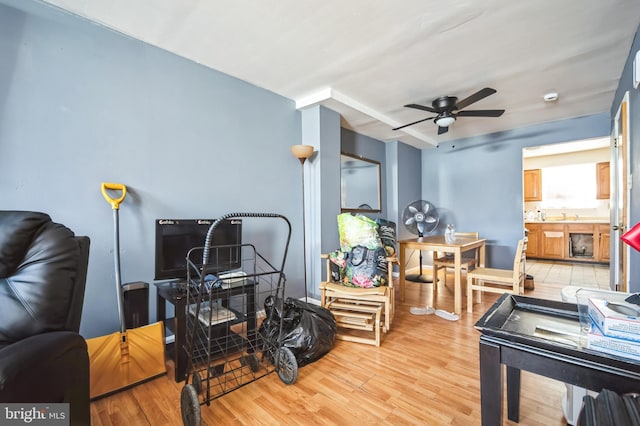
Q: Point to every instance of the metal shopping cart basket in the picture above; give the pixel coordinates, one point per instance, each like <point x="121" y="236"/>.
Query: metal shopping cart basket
<point x="231" y="340"/>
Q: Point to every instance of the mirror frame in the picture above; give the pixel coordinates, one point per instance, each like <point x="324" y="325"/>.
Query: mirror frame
<point x="351" y="209"/>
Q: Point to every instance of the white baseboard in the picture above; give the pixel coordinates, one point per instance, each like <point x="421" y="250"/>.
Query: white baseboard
<point x="310" y="300"/>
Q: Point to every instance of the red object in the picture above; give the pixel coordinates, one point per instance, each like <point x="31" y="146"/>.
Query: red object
<point x="632" y="236"/>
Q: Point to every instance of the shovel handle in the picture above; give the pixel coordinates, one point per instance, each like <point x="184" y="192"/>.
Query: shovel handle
<point x="115" y="202"/>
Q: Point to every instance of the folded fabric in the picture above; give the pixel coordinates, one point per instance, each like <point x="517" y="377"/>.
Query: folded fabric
<point x="447" y="315"/>
<point x="422" y="311"/>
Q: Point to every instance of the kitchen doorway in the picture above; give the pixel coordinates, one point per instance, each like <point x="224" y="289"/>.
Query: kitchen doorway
<point x="566" y="209"/>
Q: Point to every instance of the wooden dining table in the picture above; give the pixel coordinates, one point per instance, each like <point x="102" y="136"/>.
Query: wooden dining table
<point x="438" y="244"/>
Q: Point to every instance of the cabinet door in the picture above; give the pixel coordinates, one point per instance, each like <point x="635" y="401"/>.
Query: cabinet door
<point x="602" y="175"/>
<point x="534" y="240"/>
<point x="532" y="185"/>
<point x="552" y="241"/>
<point x="604" y="243"/>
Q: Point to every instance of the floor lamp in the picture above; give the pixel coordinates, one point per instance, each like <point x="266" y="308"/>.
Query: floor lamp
<point x="302" y="152"/>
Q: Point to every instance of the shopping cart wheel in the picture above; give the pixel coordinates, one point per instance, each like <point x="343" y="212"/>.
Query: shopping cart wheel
<point x="197" y="382"/>
<point x="190" y="406"/>
<point x="287" y="366"/>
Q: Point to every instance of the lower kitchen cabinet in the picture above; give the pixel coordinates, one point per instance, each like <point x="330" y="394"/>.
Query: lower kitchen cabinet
<point x="583" y="242"/>
<point x="552" y="242"/>
<point x="533" y="245"/>
<point x="604" y="242"/>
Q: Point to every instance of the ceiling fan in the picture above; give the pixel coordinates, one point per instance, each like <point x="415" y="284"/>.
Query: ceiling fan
<point x="448" y="108"/>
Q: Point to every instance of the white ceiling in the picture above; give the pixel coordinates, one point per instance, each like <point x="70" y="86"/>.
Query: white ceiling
<point x="367" y="58"/>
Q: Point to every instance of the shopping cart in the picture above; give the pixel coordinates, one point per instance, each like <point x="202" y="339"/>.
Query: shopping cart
<point x="231" y="340"/>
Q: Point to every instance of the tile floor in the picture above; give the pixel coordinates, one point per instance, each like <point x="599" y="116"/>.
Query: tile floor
<point x="577" y="274"/>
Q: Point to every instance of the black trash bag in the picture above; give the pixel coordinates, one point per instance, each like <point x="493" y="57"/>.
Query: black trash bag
<point x="309" y="331"/>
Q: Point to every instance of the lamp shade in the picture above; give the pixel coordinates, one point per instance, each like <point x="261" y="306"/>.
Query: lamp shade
<point x="302" y="152"/>
<point x="445" y="120"/>
<point x="632" y="236"/>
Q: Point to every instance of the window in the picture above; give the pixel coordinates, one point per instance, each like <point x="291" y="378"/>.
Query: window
<point x="571" y="186"/>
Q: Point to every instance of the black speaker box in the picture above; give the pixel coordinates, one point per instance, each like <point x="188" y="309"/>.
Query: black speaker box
<point x="136" y="304"/>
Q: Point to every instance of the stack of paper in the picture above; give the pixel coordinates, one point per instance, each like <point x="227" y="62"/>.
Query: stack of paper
<point x="615" y="328"/>
<point x="211" y="314"/>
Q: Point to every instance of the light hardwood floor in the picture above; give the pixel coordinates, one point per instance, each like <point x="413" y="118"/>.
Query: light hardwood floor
<point x="425" y="373"/>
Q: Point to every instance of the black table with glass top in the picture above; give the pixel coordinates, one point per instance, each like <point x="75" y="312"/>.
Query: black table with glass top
<point x="543" y="337"/>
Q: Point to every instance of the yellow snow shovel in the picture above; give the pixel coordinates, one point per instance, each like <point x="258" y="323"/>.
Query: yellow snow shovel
<point x="128" y="357"/>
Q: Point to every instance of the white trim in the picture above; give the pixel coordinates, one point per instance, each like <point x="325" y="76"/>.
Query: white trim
<point x="328" y="94"/>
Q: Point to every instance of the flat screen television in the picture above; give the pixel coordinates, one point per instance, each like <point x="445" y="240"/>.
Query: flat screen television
<point x="175" y="237"/>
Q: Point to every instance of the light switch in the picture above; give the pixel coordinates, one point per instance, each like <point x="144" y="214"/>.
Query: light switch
<point x="636" y="70"/>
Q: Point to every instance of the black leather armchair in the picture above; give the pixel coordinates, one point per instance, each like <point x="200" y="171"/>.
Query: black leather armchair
<point x="43" y="270"/>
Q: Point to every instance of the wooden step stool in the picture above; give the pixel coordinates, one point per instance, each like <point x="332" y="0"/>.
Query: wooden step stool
<point x="358" y="315"/>
<point x="358" y="309"/>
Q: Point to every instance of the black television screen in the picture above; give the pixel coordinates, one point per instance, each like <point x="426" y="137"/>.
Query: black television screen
<point x="175" y="237"/>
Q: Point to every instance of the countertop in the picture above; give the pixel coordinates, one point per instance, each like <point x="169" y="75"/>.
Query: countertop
<point x="585" y="220"/>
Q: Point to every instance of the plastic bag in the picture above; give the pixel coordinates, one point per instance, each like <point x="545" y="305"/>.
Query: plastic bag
<point x="338" y="265"/>
<point x="357" y="230"/>
<point x="366" y="268"/>
<point x="387" y="233"/>
<point x="309" y="331"/>
<point x="361" y="267"/>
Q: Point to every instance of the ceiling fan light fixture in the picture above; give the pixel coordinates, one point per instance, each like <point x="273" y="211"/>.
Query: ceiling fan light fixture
<point x="448" y="108"/>
<point x="445" y="120"/>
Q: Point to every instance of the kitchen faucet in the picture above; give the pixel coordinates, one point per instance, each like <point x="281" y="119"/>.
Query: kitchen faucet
<point x="564" y="216"/>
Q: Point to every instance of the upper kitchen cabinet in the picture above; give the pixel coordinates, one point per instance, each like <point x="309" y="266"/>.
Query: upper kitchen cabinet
<point x="571" y="178"/>
<point x="602" y="175"/>
<point x="532" y="185"/>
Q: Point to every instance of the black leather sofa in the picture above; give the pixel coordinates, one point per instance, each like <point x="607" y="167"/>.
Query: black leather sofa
<point x="43" y="358"/>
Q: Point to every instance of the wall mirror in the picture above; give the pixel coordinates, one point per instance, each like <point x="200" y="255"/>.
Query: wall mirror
<point x="359" y="184"/>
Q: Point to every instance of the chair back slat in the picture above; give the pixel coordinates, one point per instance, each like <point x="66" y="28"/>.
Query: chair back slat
<point x="520" y="259"/>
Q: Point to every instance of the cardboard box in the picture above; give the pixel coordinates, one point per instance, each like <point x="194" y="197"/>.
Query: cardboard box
<point x="611" y="345"/>
<point x="611" y="322"/>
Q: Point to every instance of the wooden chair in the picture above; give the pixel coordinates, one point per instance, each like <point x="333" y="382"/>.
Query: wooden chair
<point x="503" y="280"/>
<point x="367" y="309"/>
<point x="444" y="262"/>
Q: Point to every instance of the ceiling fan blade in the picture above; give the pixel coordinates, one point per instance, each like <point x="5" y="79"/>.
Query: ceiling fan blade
<point x="480" y="94"/>
<point x="481" y="113"/>
<point x="411" y="124"/>
<point x="442" y="130"/>
<point x="422" y="107"/>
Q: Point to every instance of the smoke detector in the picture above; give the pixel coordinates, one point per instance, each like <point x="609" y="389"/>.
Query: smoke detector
<point x="550" y="97"/>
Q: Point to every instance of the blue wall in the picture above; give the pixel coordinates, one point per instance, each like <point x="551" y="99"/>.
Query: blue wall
<point x="80" y="105"/>
<point x="626" y="84"/>
<point x="476" y="183"/>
